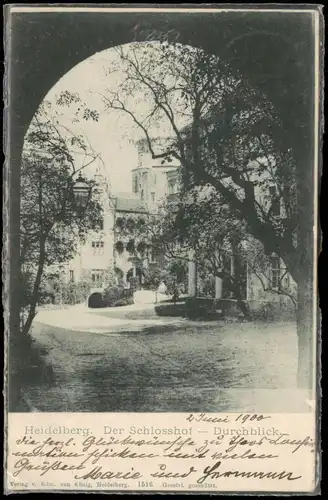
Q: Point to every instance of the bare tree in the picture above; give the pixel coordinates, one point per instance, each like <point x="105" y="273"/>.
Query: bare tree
<point x="225" y="135"/>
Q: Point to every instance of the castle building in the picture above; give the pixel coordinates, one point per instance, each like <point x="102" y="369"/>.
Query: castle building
<point x="153" y="183"/>
<point x="103" y="251"/>
<point x="154" y="180"/>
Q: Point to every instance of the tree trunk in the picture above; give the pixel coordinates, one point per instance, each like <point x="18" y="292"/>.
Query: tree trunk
<point x="192" y="274"/>
<point x="301" y="270"/>
<point x="244" y="307"/>
<point x="36" y="288"/>
<point x="238" y="278"/>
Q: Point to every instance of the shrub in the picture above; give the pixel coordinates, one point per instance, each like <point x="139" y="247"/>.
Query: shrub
<point x="114" y="294"/>
<point x="152" y="278"/>
<point x="71" y="293"/>
<point x="74" y="293"/>
<point x="126" y="301"/>
<point x="134" y="285"/>
<point x="265" y="313"/>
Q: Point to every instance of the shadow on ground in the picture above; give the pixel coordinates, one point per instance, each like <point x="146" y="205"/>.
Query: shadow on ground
<point x="204" y="367"/>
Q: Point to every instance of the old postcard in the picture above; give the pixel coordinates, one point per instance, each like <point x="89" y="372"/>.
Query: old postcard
<point x="161" y="247"/>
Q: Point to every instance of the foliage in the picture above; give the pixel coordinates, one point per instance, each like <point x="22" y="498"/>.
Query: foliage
<point x="205" y="226"/>
<point x="174" y="275"/>
<point x="125" y="301"/>
<point x="146" y="234"/>
<point x="117" y="295"/>
<point x="151" y="277"/>
<point x="265" y="313"/>
<point x="133" y="230"/>
<point x="51" y="223"/>
<point x="73" y="293"/>
<point x="211" y="229"/>
<point x="109" y="277"/>
<point x="260" y="265"/>
<point x="226" y="136"/>
<point x="134" y="284"/>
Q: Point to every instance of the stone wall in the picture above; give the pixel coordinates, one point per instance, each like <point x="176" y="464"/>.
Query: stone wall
<point x="266" y="302"/>
<point x="261" y="309"/>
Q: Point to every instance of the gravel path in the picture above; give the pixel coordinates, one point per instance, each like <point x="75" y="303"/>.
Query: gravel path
<point x="170" y="366"/>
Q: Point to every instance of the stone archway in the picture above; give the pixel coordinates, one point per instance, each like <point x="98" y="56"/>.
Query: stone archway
<point x="47" y="46"/>
<point x="95" y="300"/>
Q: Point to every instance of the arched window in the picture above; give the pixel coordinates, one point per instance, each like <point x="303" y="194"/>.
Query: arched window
<point x="119" y="222"/>
<point x="275" y="271"/>
<point x="130" y="246"/>
<point x="141" y="247"/>
<point x="98" y="225"/>
<point x="130" y="224"/>
<point x="119" y="247"/>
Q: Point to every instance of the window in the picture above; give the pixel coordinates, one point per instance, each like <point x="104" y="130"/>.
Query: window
<point x="98" y="225"/>
<point x="286" y="281"/>
<point x="142" y="194"/>
<point x="275" y="272"/>
<point x="97" y="275"/>
<point x="152" y="255"/>
<point x="97" y="244"/>
<point x="152" y="196"/>
<point x="275" y="201"/>
<point x="71" y="275"/>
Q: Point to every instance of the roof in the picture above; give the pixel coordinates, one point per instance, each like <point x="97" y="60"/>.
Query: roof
<point x="130" y="205"/>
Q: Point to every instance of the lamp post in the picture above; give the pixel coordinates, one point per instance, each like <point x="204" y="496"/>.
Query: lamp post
<point x="81" y="192"/>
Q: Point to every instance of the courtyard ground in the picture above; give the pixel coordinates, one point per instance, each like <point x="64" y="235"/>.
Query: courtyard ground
<point x="101" y="360"/>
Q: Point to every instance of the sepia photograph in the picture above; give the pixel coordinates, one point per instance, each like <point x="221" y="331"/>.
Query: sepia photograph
<point x="164" y="257"/>
<point x="161" y="248"/>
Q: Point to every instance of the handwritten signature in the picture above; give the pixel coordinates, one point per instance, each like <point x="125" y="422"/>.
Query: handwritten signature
<point x="211" y="472"/>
